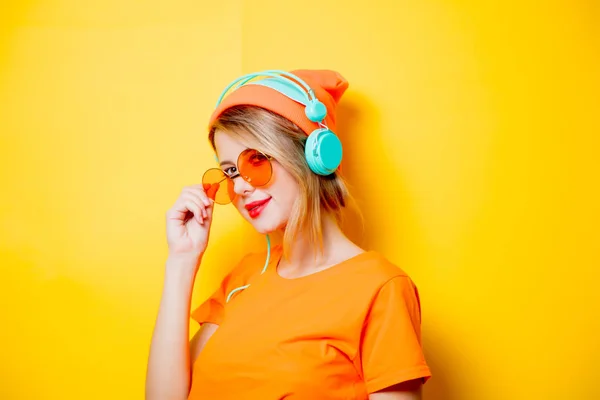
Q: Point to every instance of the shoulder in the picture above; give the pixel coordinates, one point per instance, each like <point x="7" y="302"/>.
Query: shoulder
<point x="251" y="264"/>
<point x="373" y="274"/>
<point x="376" y="268"/>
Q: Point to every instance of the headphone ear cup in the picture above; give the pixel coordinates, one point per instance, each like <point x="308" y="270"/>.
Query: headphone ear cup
<point x="315" y="111"/>
<point x="323" y="152"/>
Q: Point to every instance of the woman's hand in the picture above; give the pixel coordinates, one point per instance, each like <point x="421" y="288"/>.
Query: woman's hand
<point x="188" y="222"/>
<point x="188" y="226"/>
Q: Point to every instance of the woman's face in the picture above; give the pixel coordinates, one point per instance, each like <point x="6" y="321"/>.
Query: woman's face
<point x="268" y="207"/>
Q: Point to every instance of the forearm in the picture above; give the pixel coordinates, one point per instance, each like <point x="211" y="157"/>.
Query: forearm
<point x="168" y="374"/>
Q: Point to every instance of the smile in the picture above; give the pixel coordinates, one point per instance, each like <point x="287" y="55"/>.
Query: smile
<point x="256" y="207"/>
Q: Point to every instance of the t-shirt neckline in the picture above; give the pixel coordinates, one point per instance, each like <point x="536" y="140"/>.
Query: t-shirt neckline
<point x="277" y="255"/>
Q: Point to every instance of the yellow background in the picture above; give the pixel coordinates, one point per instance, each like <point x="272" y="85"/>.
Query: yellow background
<point x="470" y="135"/>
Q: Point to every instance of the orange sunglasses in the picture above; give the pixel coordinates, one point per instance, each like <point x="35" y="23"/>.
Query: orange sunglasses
<point x="252" y="165"/>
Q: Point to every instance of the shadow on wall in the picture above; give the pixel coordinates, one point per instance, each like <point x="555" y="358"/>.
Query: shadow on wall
<point x="439" y="358"/>
<point x="359" y="129"/>
<point x="354" y="116"/>
<point x="375" y="180"/>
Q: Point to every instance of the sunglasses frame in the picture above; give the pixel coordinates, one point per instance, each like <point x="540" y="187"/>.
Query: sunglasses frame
<point x="238" y="174"/>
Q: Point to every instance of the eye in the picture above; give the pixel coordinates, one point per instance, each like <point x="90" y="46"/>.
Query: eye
<point x="256" y="159"/>
<point x="230" y="171"/>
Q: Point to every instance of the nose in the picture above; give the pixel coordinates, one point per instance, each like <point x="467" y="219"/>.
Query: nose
<point x="241" y="187"/>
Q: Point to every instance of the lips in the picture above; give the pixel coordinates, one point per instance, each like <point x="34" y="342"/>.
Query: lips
<point x="256" y="203"/>
<point x="255" y="208"/>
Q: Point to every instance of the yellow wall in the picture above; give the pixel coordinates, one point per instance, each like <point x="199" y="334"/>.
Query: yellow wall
<point x="470" y="135"/>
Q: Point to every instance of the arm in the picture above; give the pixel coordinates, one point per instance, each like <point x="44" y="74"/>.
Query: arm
<point x="410" y="390"/>
<point x="168" y="374"/>
<point x="168" y="371"/>
<point x="200" y="338"/>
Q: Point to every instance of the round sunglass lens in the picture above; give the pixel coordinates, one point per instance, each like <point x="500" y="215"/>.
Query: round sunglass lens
<point x="218" y="186"/>
<point x="255" y="167"/>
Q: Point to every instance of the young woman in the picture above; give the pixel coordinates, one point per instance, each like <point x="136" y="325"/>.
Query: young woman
<point x="315" y="317"/>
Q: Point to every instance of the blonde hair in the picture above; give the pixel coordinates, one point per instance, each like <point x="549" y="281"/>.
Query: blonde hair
<point x="284" y="141"/>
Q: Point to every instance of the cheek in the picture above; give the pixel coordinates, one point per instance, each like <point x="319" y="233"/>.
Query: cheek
<point x="287" y="191"/>
<point x="239" y="204"/>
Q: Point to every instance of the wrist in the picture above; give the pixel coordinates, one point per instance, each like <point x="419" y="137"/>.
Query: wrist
<point x="184" y="260"/>
<point x="183" y="264"/>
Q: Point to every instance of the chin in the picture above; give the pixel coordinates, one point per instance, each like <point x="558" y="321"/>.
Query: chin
<point x="268" y="221"/>
<point x="265" y="224"/>
<point x="264" y="227"/>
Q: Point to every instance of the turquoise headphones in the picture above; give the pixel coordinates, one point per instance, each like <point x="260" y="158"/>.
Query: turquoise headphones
<point x="323" y="149"/>
<point x="262" y="272"/>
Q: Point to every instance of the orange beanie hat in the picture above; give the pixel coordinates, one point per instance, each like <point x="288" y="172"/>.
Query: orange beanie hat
<point x="328" y="86"/>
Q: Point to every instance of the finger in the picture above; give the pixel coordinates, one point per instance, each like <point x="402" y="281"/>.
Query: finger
<point x="195" y="198"/>
<point x="199" y="198"/>
<point x="212" y="191"/>
<point x="196" y="194"/>
<point x="199" y="194"/>
<point x="187" y="202"/>
<point x="194" y="209"/>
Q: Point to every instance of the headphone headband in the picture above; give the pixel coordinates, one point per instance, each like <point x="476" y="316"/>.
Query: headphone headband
<point x="273" y="73"/>
<point x="323" y="149"/>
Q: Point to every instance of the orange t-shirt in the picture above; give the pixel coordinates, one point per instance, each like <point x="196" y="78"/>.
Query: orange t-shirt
<point x="340" y="333"/>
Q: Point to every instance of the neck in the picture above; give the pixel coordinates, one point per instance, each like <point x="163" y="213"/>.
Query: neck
<point x="304" y="257"/>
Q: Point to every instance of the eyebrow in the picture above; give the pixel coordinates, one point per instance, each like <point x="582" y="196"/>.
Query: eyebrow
<point x="225" y="162"/>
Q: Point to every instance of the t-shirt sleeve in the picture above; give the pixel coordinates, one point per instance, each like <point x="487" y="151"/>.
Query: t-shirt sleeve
<point x="391" y="350"/>
<point x="213" y="308"/>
